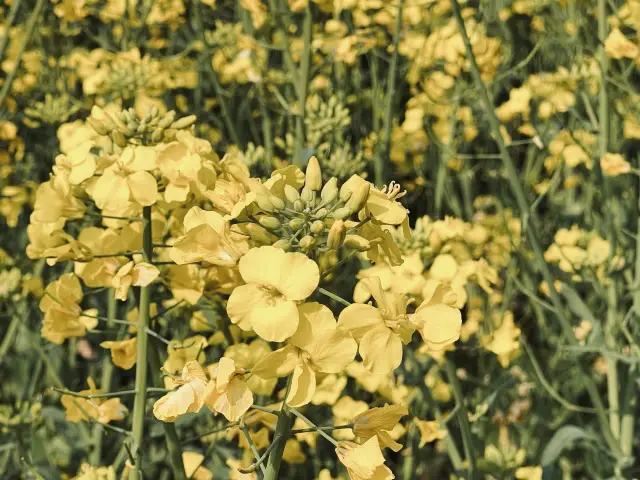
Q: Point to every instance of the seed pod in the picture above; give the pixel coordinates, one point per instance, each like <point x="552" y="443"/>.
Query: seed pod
<point x="337" y="234"/>
<point x="317" y="227"/>
<point x="270" y="223"/>
<point x="184" y="122"/>
<point x="298" y="205"/>
<point x="296" y="224"/>
<point x="291" y="193"/>
<point x="258" y="234"/>
<point x="283" y="244"/>
<point x="340" y="213"/>
<point x="329" y="191"/>
<point x="307" y="242"/>
<point x="313" y="175"/>
<point x="98" y="126"/>
<point x="118" y="138"/>
<point x="356" y="242"/>
<point x="359" y="197"/>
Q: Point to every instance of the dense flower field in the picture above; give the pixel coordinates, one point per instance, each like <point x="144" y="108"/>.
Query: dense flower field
<point x="319" y="239"/>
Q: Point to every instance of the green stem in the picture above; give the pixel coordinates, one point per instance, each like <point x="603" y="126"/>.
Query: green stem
<point x="303" y="85"/>
<point x="15" y="6"/>
<point x="463" y="419"/>
<point x="530" y="224"/>
<point x="283" y="431"/>
<point x="31" y="23"/>
<point x="322" y="433"/>
<point x="382" y="152"/>
<point x="334" y="297"/>
<point x="141" y="354"/>
<point x="259" y="459"/>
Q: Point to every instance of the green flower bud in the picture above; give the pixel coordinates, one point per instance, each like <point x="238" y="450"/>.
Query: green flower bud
<point x="307" y="242"/>
<point x="296" y="223"/>
<point x="291" y="193"/>
<point x="184" y="122"/>
<point x="258" y="234"/>
<point x="340" y="213"/>
<point x="118" y="138"/>
<point x="167" y="120"/>
<point x="317" y="227"/>
<point x="358" y="199"/>
<point x="270" y="223"/>
<point x="99" y="127"/>
<point x="356" y="242"/>
<point x="283" y="244"/>
<point x="321" y="213"/>
<point x="298" y="205"/>
<point x="313" y="175"/>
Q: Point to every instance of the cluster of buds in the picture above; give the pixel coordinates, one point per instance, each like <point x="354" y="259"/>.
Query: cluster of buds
<point x="126" y="126"/>
<point x="316" y="216"/>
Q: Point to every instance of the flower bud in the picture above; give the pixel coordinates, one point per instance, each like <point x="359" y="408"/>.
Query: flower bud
<point x="313" y="175"/>
<point x="283" y="244"/>
<point x="307" y="195"/>
<point x="291" y="193"/>
<point x="321" y="213"/>
<point x="270" y="223"/>
<point x="340" y="213"/>
<point x="356" y="242"/>
<point x="118" y="138"/>
<point x="98" y="126"/>
<point x="317" y="227"/>
<point x="307" y="242"/>
<point x="359" y="197"/>
<point x="296" y="223"/>
<point x="167" y="120"/>
<point x="336" y="235"/>
<point x="330" y="191"/>
<point x="298" y="205"/>
<point x="277" y="203"/>
<point x="156" y="136"/>
<point x="258" y="234"/>
<point x="184" y="122"/>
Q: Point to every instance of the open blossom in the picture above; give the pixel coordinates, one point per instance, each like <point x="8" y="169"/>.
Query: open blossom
<point x="63" y="317"/>
<point x="227" y="393"/>
<point x="123" y="352"/>
<point x="188" y="398"/>
<point x="379" y="422"/>
<point x="276" y="280"/>
<point x="614" y="164"/>
<point x="208" y="238"/>
<point x="99" y="409"/>
<point x="438" y="322"/>
<point x="380" y="331"/>
<point x="317" y="347"/>
<point x="364" y="462"/>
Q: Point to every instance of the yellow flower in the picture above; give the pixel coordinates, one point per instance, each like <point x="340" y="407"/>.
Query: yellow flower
<point x="63" y="317"/>
<point x="344" y="410"/>
<point x="193" y="466"/>
<point x="246" y="356"/>
<point x="529" y="473"/>
<point x="207" y="238"/>
<point x="87" y="472"/>
<point x="182" y="352"/>
<point x="188" y="398"/>
<point x="438" y="323"/>
<point x="127" y="179"/>
<point x="100" y="410"/>
<point x="614" y="164"/>
<point x="380" y="332"/>
<point x="378" y="422"/>
<point x="137" y="275"/>
<point x="123" y="352"/>
<point x="504" y="340"/>
<point x="227" y="393"/>
<point x="317" y="347"/>
<point x="364" y="462"/>
<point x="430" y="431"/>
<point x="276" y="280"/>
<point x="55" y="201"/>
<point x="618" y="46"/>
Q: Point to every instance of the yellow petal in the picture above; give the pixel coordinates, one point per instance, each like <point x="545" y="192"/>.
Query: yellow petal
<point x="440" y="325"/>
<point x="303" y="386"/>
<point x="332" y="351"/>
<point x="143" y="188"/>
<point x="314" y="319"/>
<point x="143" y="274"/>
<point x="381" y="350"/>
<point x="279" y="363"/>
<point x="358" y="319"/>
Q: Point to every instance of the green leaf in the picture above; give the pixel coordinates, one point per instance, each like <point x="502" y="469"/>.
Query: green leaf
<point x="561" y="440"/>
<point x="582" y="311"/>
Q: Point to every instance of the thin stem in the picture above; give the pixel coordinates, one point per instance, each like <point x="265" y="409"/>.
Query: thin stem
<point x="259" y="459"/>
<point x="15" y="6"/>
<point x="121" y="393"/>
<point x="334" y="296"/>
<point x="303" y="85"/>
<point x="463" y="418"/>
<point x="31" y="23"/>
<point x="382" y="152"/>
<point x="328" y="428"/>
<point x="266" y="410"/>
<point x="530" y="224"/>
<point x="141" y="354"/>
<point x="314" y="426"/>
<point x="339" y="264"/>
<point x="283" y="430"/>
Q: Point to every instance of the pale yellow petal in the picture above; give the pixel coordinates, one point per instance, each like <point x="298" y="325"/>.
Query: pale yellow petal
<point x="381" y="350"/>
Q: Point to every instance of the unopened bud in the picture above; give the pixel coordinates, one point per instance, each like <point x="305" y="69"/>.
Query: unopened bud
<point x="359" y="197"/>
<point x="321" y="213"/>
<point x="330" y="191"/>
<point x="313" y="175"/>
<point x="98" y="126"/>
<point x="277" y="203"/>
<point x="291" y="193"/>
<point x="168" y="119"/>
<point x="184" y="122"/>
<point x="307" y="195"/>
<point x="258" y="234"/>
<point x="317" y="227"/>
<point x="356" y="242"/>
<point x="157" y="135"/>
<point x="340" y="213"/>
<point x="337" y="234"/>
<point x="270" y="223"/>
<point x="283" y="244"/>
<point x="307" y="242"/>
<point x="298" y="205"/>
<point x="296" y="223"/>
<point x="118" y="138"/>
